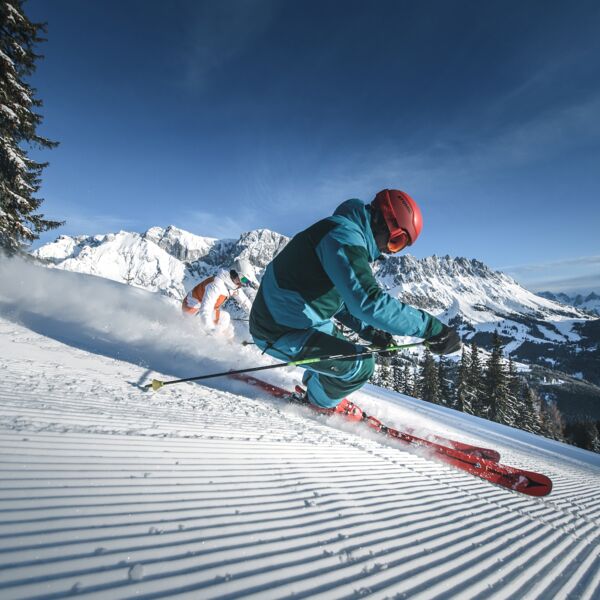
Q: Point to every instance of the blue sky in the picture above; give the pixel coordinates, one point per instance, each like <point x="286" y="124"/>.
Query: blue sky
<point x="221" y="117"/>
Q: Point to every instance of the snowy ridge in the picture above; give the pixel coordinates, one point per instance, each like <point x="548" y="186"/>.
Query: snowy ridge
<point x="124" y="257"/>
<point x="217" y="492"/>
<point x="168" y="260"/>
<point x="181" y="244"/>
<point x="589" y="303"/>
<point x="469" y="292"/>
<point x="442" y="285"/>
<point x="460" y="291"/>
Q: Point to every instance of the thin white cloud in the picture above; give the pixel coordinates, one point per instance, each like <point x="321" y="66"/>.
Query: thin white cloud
<point x="456" y="157"/>
<point x="550" y="134"/>
<point x="217" y="225"/>
<point x="581" y="261"/>
<point x="80" y="224"/>
<point x="571" y="275"/>
<point x="570" y="285"/>
<point x="77" y="224"/>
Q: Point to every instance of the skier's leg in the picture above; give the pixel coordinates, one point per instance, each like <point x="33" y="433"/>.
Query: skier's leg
<point x="190" y="306"/>
<point x="224" y="327"/>
<point x="328" y="381"/>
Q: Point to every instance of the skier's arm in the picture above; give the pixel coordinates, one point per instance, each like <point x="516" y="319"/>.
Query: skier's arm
<point x="345" y="317"/>
<point x="240" y="297"/>
<point x="374" y="336"/>
<point x="349" y="269"/>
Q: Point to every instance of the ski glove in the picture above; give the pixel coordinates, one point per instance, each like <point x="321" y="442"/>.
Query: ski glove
<point x="383" y="339"/>
<point x="445" y="342"/>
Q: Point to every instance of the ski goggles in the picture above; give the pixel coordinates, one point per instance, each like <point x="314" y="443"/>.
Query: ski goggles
<point x="398" y="240"/>
<point x="244" y="280"/>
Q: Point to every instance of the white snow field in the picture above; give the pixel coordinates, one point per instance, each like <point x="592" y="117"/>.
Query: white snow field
<point x="215" y="491"/>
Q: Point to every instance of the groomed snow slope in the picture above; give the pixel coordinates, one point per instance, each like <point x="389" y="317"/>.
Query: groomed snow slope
<point x="107" y="491"/>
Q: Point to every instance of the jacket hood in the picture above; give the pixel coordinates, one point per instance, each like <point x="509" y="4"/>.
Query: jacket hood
<point x="356" y="211"/>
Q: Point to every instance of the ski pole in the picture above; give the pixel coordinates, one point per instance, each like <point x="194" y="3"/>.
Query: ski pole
<point x="156" y="384"/>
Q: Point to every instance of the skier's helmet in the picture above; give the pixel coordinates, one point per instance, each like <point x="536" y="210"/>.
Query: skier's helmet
<point x="402" y="217"/>
<point x="245" y="272"/>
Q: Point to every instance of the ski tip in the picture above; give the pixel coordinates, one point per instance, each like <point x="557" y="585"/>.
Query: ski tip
<point x="533" y="484"/>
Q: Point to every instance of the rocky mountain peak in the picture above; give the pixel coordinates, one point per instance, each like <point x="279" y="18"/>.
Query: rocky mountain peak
<point x="260" y="246"/>
<point x="180" y="244"/>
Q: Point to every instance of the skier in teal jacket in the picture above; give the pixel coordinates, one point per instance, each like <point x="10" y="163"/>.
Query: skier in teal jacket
<point x="324" y="275"/>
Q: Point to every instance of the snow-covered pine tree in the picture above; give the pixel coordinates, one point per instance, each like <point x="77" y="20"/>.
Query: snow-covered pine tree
<point x="463" y="396"/>
<point x="553" y="424"/>
<point x="20" y="176"/>
<point x="494" y="376"/>
<point x="415" y="388"/>
<point x="398" y="374"/>
<point x="429" y="383"/>
<point x="375" y="377"/>
<point x="514" y="381"/>
<point x="444" y="384"/>
<point x="595" y="433"/>
<point x="476" y="383"/>
<point x="503" y="406"/>
<point x="523" y="405"/>
<point x="584" y="434"/>
<point x="408" y="380"/>
<point x="530" y="418"/>
<point x="386" y="376"/>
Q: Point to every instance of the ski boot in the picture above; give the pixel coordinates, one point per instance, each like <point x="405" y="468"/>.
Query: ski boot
<point x="345" y="408"/>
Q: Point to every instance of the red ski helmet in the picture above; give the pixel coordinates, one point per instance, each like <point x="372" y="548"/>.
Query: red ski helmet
<point x="402" y="217"/>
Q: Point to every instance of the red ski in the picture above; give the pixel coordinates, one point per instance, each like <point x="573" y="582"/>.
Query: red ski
<point x="475" y="451"/>
<point x="471" y="459"/>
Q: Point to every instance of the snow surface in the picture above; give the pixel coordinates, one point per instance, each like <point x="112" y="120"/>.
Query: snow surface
<point x="215" y="491"/>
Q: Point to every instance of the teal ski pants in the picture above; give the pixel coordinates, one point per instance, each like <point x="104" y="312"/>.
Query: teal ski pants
<point x="328" y="381"/>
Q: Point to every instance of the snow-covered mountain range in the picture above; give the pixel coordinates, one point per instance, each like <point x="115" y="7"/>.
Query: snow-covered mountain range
<point x="589" y="302"/>
<point x="461" y="291"/>
<point x="478" y="300"/>
<point x="169" y="261"/>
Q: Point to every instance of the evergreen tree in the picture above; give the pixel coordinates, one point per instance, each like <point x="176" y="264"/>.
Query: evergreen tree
<point x="415" y="388"/>
<point x="407" y="379"/>
<point x="502" y="405"/>
<point x="514" y="381"/>
<point x="386" y="377"/>
<point x="444" y="384"/>
<point x="463" y="396"/>
<point x="398" y="374"/>
<point x="476" y="383"/>
<point x="553" y="424"/>
<point x="429" y="383"/>
<point x="584" y="434"/>
<point x="376" y="376"/>
<point x="20" y="176"/>
<point x="595" y="437"/>
<point x="531" y="410"/>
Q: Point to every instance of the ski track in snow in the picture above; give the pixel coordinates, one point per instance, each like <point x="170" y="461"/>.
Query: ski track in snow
<point x="111" y="492"/>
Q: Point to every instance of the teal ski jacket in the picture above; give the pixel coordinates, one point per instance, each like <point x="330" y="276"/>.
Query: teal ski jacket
<point x="325" y="272"/>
